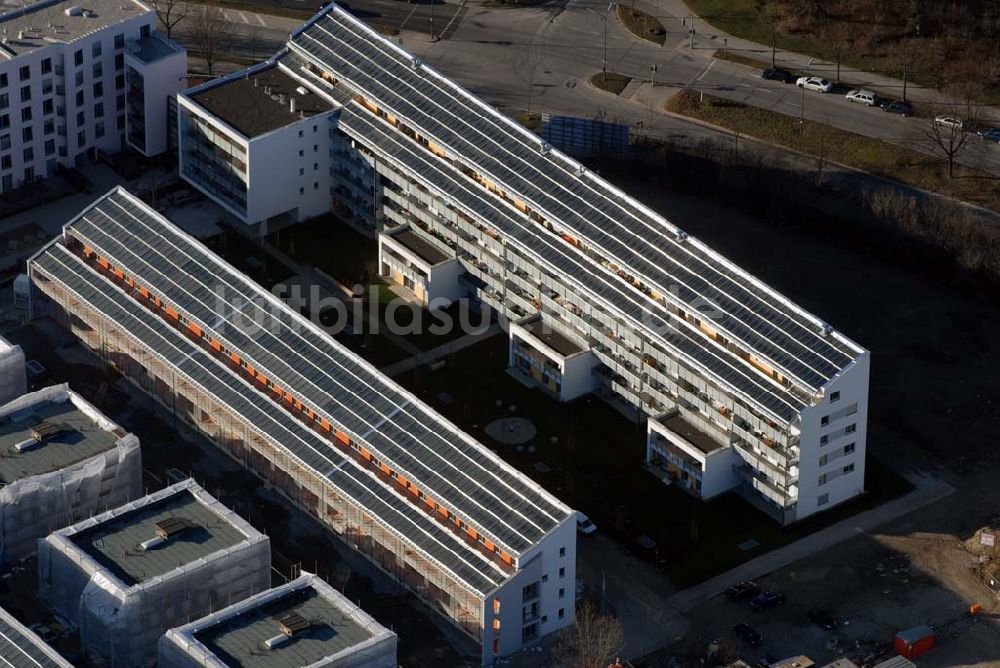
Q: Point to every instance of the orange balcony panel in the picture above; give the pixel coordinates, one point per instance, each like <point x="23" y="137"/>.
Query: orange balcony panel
<point x="489" y="545"/>
<point x="385" y="469"/>
<point x="250" y="370"/>
<point x="216" y="346"/>
<point x="119" y="274"/>
<point x="473" y="534"/>
<point x="442" y="511"/>
<point x="429" y="502"/>
<point x="341" y="436"/>
<point x="401" y="481"/>
<point x="365" y="455"/>
<point x="156" y="300"/>
<point x="310" y="414"/>
<point x="171" y="313"/>
<point x="104" y="264"/>
<point x="278" y="392"/>
<point x="414" y="491"/>
<point x="234" y="358"/>
<point x="129" y="282"/>
<point x="143" y="292"/>
<point x="326" y="426"/>
<point x="194" y="329"/>
<point x="88" y="251"/>
<point x="506" y="558"/>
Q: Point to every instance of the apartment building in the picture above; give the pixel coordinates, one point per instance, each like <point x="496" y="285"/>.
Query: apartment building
<point x="155" y="69"/>
<point x="471" y="536"/>
<point x="742" y="390"/>
<point x="62" y="83"/>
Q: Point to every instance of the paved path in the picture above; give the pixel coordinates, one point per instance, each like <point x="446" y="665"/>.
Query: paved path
<point x="444" y="349"/>
<point x="928" y="489"/>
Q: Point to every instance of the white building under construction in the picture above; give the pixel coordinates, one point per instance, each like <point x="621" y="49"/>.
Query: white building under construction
<point x="61" y="460"/>
<point x="305" y="622"/>
<point x="127" y="575"/>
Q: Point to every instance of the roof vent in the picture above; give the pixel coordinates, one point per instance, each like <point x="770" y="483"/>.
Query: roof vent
<point x="75" y="10"/>
<point x="292" y="623"/>
<point x="416" y="63"/>
<point x="545" y="147"/>
<point x="25" y="445"/>
<point x="46" y="429"/>
<point x="580" y="170"/>
<point x="276" y="641"/>
<point x="171" y="526"/>
<point x="155" y="541"/>
<point x="681" y="235"/>
<point x="826" y="330"/>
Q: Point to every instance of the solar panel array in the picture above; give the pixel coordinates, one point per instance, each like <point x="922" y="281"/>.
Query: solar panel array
<point x="621" y="230"/>
<point x="21" y="648"/>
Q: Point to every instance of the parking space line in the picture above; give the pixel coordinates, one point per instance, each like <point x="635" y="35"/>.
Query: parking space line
<point x="260" y="20"/>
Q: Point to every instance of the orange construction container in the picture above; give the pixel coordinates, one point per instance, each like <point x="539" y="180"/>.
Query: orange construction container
<point x="914" y="642"/>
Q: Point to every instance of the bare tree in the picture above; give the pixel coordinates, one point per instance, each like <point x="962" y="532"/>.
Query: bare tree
<point x="838" y="40"/>
<point x="209" y="31"/>
<point x="948" y="134"/>
<point x="593" y="641"/>
<point x="170" y="12"/>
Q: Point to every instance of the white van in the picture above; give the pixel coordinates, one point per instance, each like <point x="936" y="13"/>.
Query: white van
<point x="865" y="97"/>
<point x="583" y="524"/>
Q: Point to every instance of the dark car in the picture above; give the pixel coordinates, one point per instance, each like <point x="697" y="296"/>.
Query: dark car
<point x="990" y="135"/>
<point x="767" y="599"/>
<point x="897" y="107"/>
<point x="778" y="75"/>
<point x="742" y="590"/>
<point x="822" y="619"/>
<point x="748" y="634"/>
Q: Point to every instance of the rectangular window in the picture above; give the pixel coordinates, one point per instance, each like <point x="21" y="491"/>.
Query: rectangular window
<point x="4" y="121"/>
<point x="144" y="31"/>
<point x="120" y="82"/>
<point x="822" y="479"/>
<point x="851" y="428"/>
<point x="5" y="142"/>
<point x="823" y="500"/>
<point x="81" y="138"/>
<point x="562" y="612"/>
<point x="78" y="79"/>
<point x="852" y="409"/>
<point x="78" y="57"/>
<point x="849" y="448"/>
<point x="834" y="396"/>
<point x="25" y="72"/>
<point x="848" y="469"/>
<point x="98" y="70"/>
<point x="822" y="460"/>
<point x="3" y="80"/>
<point x="120" y="41"/>
<point x="562" y="571"/>
<point x="81" y="118"/>
<point x="95" y="49"/>
<point x="6" y="162"/>
<point x="25" y="93"/>
<point x="99" y="89"/>
<point x="47" y="107"/>
<point x="46" y="86"/>
<point x="562" y="551"/>
<point x="119" y="61"/>
<point x="99" y="110"/>
<point x="49" y="127"/>
<point x="26" y="114"/>
<point x="825" y="420"/>
<point x="8" y="182"/>
<point x="824" y="439"/>
<point x="99" y="130"/>
<point x="46" y="65"/>
<point x="79" y="98"/>
<point x="562" y="592"/>
<point x="26" y="134"/>
<point x="50" y="146"/>
<point x="4" y="100"/>
<point x="28" y="154"/>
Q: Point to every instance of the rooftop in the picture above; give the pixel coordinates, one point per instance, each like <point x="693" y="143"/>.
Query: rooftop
<point x="21" y="648"/>
<point x="322" y="621"/>
<point x="153" y="47"/>
<point x="676" y="422"/>
<point x="52" y="432"/>
<point x="423" y="248"/>
<point x="259" y="101"/>
<point x="552" y="337"/>
<point x="42" y="23"/>
<point x="194" y="525"/>
<point x="635" y="243"/>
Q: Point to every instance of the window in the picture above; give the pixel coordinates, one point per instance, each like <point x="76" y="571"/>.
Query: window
<point x="119" y="61"/>
<point x="315" y="166"/>
<point x="849" y="469"/>
<point x="4" y="121"/>
<point x="46" y="65"/>
<point x="825" y="420"/>
<point x="562" y="571"/>
<point x="26" y="133"/>
<point x="81" y="138"/>
<point x="545" y="577"/>
<point x="823" y="500"/>
<point x="851" y="428"/>
<point x="3" y="82"/>
<point x="78" y="78"/>
<point x="120" y="82"/>
<point x="300" y="153"/>
<point x="849" y="448"/>
<point x="46" y="86"/>
<point x="852" y="409"/>
<point x="562" y="592"/>
<point x="315" y="185"/>
<point x="49" y="127"/>
<point x="822" y="479"/>
<point x="5" y="142"/>
<point x="26" y="114"/>
<point x="302" y="191"/>
<point x="25" y="93"/>
<point x="25" y="72"/>
<point x="496" y="606"/>
<point x="99" y="130"/>
<point x="120" y="102"/>
<point x="28" y="154"/>
<point x="562" y="612"/>
<point x="81" y="118"/>
<point x="29" y="173"/>
<point x="47" y="107"/>
<point x="824" y="439"/>
<point x="822" y="460"/>
<point x="300" y="134"/>
<point x="78" y="57"/>
<point x="79" y="98"/>
<point x="8" y="182"/>
<point x="144" y="31"/>
<point x="4" y="100"/>
<point x="99" y="110"/>
<point x="98" y="70"/>
<point x="562" y="551"/>
<point x="6" y="162"/>
<point x="121" y="122"/>
<point x="834" y="396"/>
<point x="50" y="146"/>
<point x="120" y="41"/>
<point x="315" y="148"/>
<point x="99" y="89"/>
<point x="301" y="171"/>
<point x="95" y="49"/>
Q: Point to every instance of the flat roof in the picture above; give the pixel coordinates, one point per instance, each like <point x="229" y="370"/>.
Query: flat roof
<point x="332" y="626"/>
<point x="28" y="29"/>
<point x="677" y="423"/>
<point x="424" y="249"/>
<point x="20" y="647"/>
<point x="76" y="437"/>
<point x="114" y="541"/>
<point x="626" y="234"/>
<point x="559" y="342"/>
<point x="153" y="47"/>
<point x="391" y="423"/>
<point x="258" y="101"/>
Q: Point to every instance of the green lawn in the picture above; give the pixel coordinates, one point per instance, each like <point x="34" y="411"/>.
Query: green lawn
<point x="871" y="155"/>
<point x="596" y="466"/>
<point x="641" y="24"/>
<point x="332" y="246"/>
<point x="740" y="19"/>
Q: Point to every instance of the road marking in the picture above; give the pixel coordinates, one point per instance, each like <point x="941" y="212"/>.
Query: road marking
<point x="705" y="71"/>
<point x="260" y="20"/>
<point x="244" y="17"/>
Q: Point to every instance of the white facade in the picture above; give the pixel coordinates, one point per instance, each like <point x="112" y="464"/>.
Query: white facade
<point x="62" y="88"/>
<point x="155" y="69"/>
<point x="565" y="374"/>
<point x="13" y="375"/>
<point x="433" y="281"/>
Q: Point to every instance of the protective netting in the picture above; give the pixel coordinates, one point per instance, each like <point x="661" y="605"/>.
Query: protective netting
<point x="34" y="506"/>
<point x="122" y="623"/>
<point x="13" y="377"/>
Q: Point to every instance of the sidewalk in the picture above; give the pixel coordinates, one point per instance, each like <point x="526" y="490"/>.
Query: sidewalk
<point x="708" y="36"/>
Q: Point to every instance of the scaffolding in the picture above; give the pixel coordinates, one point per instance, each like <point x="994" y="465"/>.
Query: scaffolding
<point x="13" y="376"/>
<point x="33" y="506"/>
<point x="365" y="643"/>
<point x="121" y="616"/>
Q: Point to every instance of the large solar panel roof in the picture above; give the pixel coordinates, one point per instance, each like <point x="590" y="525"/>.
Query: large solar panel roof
<point x="272" y="423"/>
<point x="623" y="231"/>
<point x="22" y="648"/>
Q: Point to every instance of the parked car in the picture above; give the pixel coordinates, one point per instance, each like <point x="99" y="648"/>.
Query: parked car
<point x="865" y="97"/>
<point x="949" y="121"/>
<point x="814" y="83"/>
<point x="822" y="618"/>
<point x="767" y="599"/>
<point x="900" y="107"/>
<point x="748" y="634"/>
<point x="742" y="590"/>
<point x="777" y="75"/>
<point x="990" y="135"/>
<point x="584" y="525"/>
